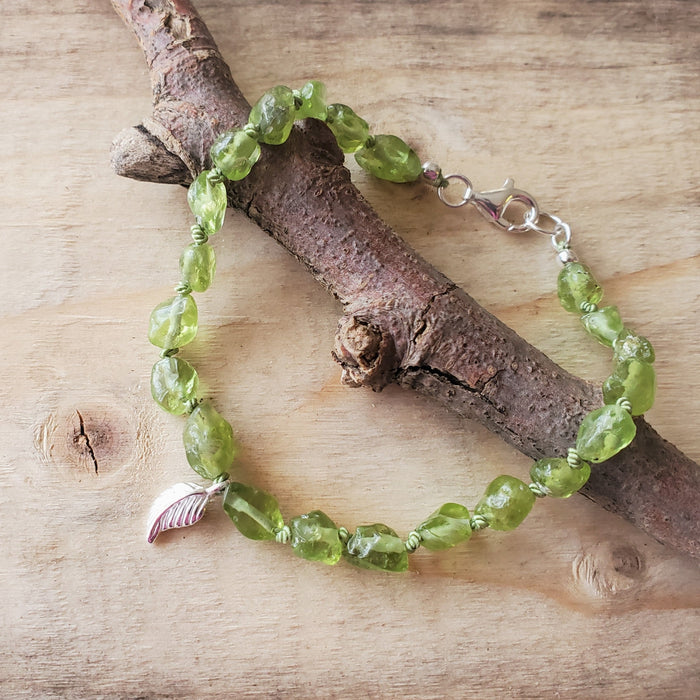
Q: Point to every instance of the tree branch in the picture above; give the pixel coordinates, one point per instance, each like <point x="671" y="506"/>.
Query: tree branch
<point x="403" y="322"/>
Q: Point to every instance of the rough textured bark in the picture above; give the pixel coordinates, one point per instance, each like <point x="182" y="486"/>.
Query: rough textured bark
<point x="403" y="321"/>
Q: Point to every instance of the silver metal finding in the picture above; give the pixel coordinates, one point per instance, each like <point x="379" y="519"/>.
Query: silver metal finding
<point x="181" y="505"/>
<point x="507" y="207"/>
<point x="493" y="204"/>
<point x="467" y="191"/>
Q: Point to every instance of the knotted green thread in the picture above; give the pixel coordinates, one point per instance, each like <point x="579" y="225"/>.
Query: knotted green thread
<point x="413" y="541"/>
<point x="539" y="490"/>
<point x="215" y="176"/>
<point x="283" y="534"/>
<point x="624" y="403"/>
<point x="198" y="234"/>
<point x="573" y="458"/>
<point x="478" y="522"/>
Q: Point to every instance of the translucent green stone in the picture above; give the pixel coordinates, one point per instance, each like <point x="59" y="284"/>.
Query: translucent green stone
<point x="390" y="158"/>
<point x="315" y="537"/>
<point x="173" y="323"/>
<point x="254" y="512"/>
<point x="197" y="266"/>
<point x="174" y="384"/>
<point x="376" y="547"/>
<point x="636" y="381"/>
<point x="274" y="114"/>
<point x="350" y="131"/>
<point x="207" y="201"/>
<point x="630" y="346"/>
<point x="558" y="478"/>
<point x="313" y="95"/>
<point x="447" y="526"/>
<point x="505" y="503"/>
<point x="235" y="153"/>
<point x="575" y="285"/>
<point x="208" y="439"/>
<point x="604" y="432"/>
<point x="604" y="324"/>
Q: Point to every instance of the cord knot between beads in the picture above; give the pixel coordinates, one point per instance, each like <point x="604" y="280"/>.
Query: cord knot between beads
<point x="478" y="522"/>
<point x="413" y="541"/>
<point x="283" y="535"/>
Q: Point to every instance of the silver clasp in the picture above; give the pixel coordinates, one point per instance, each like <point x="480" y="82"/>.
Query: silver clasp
<point x="494" y="206"/>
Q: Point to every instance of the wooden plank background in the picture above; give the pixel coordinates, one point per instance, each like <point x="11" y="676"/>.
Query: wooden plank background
<point x="593" y="108"/>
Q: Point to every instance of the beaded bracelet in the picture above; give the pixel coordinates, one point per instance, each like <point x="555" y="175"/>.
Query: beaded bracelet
<point x="208" y="437"/>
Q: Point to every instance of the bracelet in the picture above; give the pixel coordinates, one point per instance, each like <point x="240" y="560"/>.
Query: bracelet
<point x="208" y="438"/>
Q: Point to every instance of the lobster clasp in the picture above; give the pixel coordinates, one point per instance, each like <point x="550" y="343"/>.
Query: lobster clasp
<point x="494" y="206"/>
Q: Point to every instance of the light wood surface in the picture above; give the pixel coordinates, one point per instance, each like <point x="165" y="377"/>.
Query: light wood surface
<point x="591" y="107"/>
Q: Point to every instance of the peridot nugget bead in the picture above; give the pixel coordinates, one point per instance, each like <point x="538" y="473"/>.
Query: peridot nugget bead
<point x="389" y="158"/>
<point x="376" y="547"/>
<point x="604" y="324"/>
<point x="505" y="503"/>
<point x="209" y="444"/>
<point x="174" y="384"/>
<point x="273" y="114"/>
<point x="197" y="266"/>
<point x="235" y="153"/>
<point x="350" y="131"/>
<point x="604" y="432"/>
<point x="254" y="512"/>
<point x="207" y="201"/>
<point x="448" y="526"/>
<point x="575" y="285"/>
<point x="558" y="478"/>
<point x="313" y="95"/>
<point x="173" y="323"/>
<point x="636" y="381"/>
<point x="630" y="346"/>
<point x="314" y="536"/>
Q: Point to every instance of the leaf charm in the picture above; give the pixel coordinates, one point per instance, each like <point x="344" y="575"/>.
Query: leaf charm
<point x="179" y="506"/>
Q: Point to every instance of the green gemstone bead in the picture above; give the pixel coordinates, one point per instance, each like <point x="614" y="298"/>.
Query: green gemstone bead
<point x="314" y="536"/>
<point x="209" y="444"/>
<point x="313" y="95"/>
<point x="446" y="527"/>
<point x="350" y="131"/>
<point x="636" y="381"/>
<point x="575" y="285"/>
<point x="558" y="478"/>
<point x="207" y="201"/>
<point x="505" y="503"/>
<point x="173" y="323"/>
<point x="197" y="266"/>
<point x="390" y="158"/>
<point x="604" y="324"/>
<point x="235" y="153"/>
<point x="630" y="346"/>
<point x="174" y="384"/>
<point x="274" y="114"/>
<point x="604" y="432"/>
<point x="376" y="547"/>
<point x="254" y="512"/>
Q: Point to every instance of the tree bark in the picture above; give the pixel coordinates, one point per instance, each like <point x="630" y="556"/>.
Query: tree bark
<point x="403" y="322"/>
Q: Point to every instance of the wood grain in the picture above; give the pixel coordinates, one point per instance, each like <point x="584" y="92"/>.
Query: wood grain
<point x="590" y="106"/>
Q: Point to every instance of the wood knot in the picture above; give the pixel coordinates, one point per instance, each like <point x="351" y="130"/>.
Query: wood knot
<point x="607" y="570"/>
<point x="86" y="442"/>
<point x="366" y="353"/>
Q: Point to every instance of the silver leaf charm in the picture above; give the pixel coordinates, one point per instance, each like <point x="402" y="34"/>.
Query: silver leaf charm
<point x="179" y="506"/>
